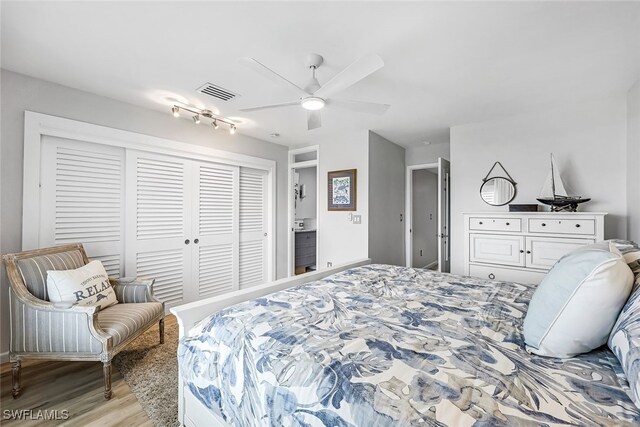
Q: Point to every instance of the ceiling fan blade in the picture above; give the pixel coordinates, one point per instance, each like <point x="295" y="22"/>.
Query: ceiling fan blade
<point x="272" y="75"/>
<point x="267" y="107"/>
<point x="314" y="120"/>
<point x="360" y="106"/>
<point x="350" y="75"/>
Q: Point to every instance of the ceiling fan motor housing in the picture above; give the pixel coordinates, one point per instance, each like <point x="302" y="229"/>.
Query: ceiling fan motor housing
<point x="314" y="60"/>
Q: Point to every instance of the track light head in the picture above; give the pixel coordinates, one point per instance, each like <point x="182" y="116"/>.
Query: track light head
<point x="175" y="111"/>
<point x="196" y="119"/>
<point x="215" y="124"/>
<point x="232" y="129"/>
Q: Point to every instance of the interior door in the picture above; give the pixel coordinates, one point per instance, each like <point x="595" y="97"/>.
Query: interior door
<point x="215" y="229"/>
<point x="253" y="228"/>
<point x="81" y="199"/>
<point x="444" y="200"/>
<point x="158" y="205"/>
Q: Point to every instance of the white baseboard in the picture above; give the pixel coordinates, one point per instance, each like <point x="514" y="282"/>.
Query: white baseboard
<point x="431" y="264"/>
<point x="4" y="357"/>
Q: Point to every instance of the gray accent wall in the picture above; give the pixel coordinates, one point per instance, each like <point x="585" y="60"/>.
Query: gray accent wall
<point x="633" y="162"/>
<point x="588" y="140"/>
<point x="20" y="93"/>
<point x="386" y="200"/>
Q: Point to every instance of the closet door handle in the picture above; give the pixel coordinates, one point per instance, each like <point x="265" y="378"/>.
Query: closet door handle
<point x="186" y="242"/>
<point x="521" y="251"/>
<point x="196" y="241"/>
<point x="528" y="252"/>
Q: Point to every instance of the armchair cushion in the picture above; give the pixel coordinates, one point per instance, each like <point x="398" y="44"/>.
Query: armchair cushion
<point x="34" y="270"/>
<point x="123" y="320"/>
<point x="87" y="285"/>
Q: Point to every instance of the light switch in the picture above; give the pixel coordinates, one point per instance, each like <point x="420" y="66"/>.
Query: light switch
<point x="357" y="219"/>
<point x="350" y="216"/>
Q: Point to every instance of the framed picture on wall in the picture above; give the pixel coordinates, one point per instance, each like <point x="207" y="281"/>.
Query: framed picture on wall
<point x="343" y="190"/>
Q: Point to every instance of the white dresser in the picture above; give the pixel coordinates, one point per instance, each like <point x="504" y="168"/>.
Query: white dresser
<point x="523" y="246"/>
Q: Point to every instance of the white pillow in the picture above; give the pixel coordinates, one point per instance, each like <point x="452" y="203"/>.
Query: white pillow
<point x="575" y="307"/>
<point x="87" y="285"/>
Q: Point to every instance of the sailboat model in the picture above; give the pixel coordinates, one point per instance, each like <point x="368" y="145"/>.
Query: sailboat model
<point x="555" y="195"/>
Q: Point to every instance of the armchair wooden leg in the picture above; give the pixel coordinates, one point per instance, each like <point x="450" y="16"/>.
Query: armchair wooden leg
<point x="106" y="372"/>
<point x="161" y="327"/>
<point x="16" y="367"/>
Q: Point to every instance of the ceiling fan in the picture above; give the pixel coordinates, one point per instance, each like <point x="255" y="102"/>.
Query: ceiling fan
<point x="314" y="97"/>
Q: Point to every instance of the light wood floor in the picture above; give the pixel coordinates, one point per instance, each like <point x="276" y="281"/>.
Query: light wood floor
<point x="73" y="386"/>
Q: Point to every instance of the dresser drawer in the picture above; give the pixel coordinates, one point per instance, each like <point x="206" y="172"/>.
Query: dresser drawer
<point x="562" y="226"/>
<point x="497" y="249"/>
<point x="495" y="224"/>
<point x="544" y="252"/>
<point x="506" y="274"/>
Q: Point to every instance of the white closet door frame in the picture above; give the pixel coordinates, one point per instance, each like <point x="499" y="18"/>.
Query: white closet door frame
<point x="37" y="125"/>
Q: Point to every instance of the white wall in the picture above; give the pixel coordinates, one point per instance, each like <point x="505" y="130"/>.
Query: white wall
<point x="386" y="200"/>
<point x="588" y="140"/>
<point x="339" y="240"/>
<point x="633" y="162"/>
<point x="424" y="216"/>
<point x="20" y="93"/>
<point x="424" y="154"/>
<point x="306" y="208"/>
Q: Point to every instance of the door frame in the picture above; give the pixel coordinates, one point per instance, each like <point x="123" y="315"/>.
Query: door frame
<point x="293" y="165"/>
<point x="38" y="125"/>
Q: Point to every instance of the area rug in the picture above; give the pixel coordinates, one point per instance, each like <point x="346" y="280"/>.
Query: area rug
<point x="150" y="370"/>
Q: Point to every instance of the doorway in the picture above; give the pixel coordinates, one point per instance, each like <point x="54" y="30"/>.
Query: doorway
<point x="427" y="212"/>
<point x="303" y="210"/>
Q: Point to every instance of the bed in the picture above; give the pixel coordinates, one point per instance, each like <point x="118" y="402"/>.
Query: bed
<point x="380" y="345"/>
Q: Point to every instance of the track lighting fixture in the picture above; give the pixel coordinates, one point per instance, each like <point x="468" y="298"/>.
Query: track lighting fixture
<point x="204" y="113"/>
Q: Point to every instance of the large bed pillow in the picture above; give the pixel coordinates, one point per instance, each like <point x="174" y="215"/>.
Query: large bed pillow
<point x="87" y="285"/>
<point x="624" y="340"/>
<point x="575" y="307"/>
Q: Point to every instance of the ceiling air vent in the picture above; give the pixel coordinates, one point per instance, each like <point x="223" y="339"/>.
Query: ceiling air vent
<point x="216" y="92"/>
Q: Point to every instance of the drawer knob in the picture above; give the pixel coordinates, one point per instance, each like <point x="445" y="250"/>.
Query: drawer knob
<point x="186" y="242"/>
<point x="528" y="252"/>
<point x="544" y="225"/>
<point x="577" y="225"/>
<point x="492" y="276"/>
<point x="480" y="223"/>
<point x="521" y="251"/>
<point x="507" y="223"/>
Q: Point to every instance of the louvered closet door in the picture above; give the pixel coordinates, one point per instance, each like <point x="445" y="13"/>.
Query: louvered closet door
<point x="82" y="199"/>
<point x="216" y="228"/>
<point x="159" y="223"/>
<point x="253" y="228"/>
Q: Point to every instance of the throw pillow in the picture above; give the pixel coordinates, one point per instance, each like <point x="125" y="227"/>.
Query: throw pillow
<point x="575" y="307"/>
<point x="87" y="285"/>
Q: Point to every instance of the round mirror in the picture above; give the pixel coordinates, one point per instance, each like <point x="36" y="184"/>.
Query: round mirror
<point x="498" y="191"/>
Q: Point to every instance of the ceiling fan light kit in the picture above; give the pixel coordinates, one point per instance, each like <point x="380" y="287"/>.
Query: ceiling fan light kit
<point x="312" y="103"/>
<point x="314" y="97"/>
<point x="175" y="110"/>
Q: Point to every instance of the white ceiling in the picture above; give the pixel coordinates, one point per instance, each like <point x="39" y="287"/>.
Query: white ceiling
<point x="445" y="63"/>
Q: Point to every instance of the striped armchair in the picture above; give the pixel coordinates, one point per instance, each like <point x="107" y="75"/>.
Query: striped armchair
<point x="44" y="330"/>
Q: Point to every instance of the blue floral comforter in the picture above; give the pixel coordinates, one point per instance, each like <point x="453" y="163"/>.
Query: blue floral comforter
<point x="394" y="346"/>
